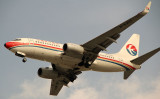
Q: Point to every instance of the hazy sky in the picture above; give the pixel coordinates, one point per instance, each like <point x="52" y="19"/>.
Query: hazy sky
<point x="77" y="21"/>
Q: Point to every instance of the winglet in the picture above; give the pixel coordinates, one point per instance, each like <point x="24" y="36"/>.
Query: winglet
<point x="147" y="8"/>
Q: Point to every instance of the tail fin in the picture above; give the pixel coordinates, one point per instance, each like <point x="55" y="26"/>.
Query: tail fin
<point x="131" y="49"/>
<point x="143" y="58"/>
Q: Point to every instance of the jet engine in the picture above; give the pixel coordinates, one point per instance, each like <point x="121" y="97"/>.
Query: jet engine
<point x="47" y="73"/>
<point x="73" y="50"/>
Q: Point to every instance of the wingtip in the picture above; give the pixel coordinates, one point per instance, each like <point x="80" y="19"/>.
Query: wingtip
<point x="149" y="5"/>
<point x="147" y="8"/>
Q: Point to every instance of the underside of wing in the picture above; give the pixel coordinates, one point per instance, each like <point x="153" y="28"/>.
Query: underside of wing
<point x="94" y="46"/>
<point x="104" y="40"/>
<point x="57" y="84"/>
<point x="59" y="77"/>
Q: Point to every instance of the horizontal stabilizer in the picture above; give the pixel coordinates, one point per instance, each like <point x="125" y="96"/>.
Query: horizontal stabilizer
<point x="128" y="73"/>
<point x="143" y="58"/>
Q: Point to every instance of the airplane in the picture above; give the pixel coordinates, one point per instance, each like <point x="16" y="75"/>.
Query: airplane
<point x="69" y="60"/>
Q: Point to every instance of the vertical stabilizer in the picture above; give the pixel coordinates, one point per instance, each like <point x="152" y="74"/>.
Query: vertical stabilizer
<point x="131" y="49"/>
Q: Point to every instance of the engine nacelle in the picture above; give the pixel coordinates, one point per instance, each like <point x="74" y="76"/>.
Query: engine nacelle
<point x="47" y="73"/>
<point x="73" y="50"/>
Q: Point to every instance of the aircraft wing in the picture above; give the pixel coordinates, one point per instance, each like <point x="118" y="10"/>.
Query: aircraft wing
<point x="60" y="77"/>
<point x="104" y="40"/>
<point x="57" y="84"/>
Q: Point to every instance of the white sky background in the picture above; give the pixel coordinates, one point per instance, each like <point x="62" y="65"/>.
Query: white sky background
<point x="77" y="21"/>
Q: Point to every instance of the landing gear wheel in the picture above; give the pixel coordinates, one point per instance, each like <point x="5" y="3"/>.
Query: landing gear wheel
<point x="88" y="64"/>
<point x="81" y="63"/>
<point x="54" y="66"/>
<point x="24" y="60"/>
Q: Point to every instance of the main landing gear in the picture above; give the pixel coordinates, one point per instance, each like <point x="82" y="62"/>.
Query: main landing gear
<point x="85" y="62"/>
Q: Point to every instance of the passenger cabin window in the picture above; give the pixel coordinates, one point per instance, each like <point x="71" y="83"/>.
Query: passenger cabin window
<point x="17" y="40"/>
<point x="111" y="57"/>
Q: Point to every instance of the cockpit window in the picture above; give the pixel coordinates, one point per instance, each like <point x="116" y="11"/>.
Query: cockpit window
<point x="17" y="40"/>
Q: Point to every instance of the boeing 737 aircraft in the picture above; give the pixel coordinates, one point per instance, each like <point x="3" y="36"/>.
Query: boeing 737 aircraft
<point x="69" y="60"/>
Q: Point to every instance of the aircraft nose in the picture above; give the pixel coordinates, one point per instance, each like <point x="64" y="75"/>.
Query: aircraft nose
<point x="8" y="45"/>
<point x="5" y="45"/>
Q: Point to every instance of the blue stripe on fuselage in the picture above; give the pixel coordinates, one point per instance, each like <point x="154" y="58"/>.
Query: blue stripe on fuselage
<point x="114" y="63"/>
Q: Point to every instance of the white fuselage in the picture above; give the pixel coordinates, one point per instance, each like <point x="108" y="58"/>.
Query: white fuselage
<point x="53" y="53"/>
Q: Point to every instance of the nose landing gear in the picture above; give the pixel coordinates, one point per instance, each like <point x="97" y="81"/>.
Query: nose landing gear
<point x="21" y="54"/>
<point x="24" y="60"/>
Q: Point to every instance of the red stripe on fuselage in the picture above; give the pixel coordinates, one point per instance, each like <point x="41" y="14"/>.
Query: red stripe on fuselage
<point x="48" y="46"/>
<point x="15" y="44"/>
<point x="117" y="62"/>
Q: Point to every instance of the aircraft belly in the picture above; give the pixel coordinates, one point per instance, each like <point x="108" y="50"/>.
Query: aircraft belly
<point x="103" y="66"/>
<point x="68" y="62"/>
<point x="54" y="57"/>
<point x="40" y="54"/>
